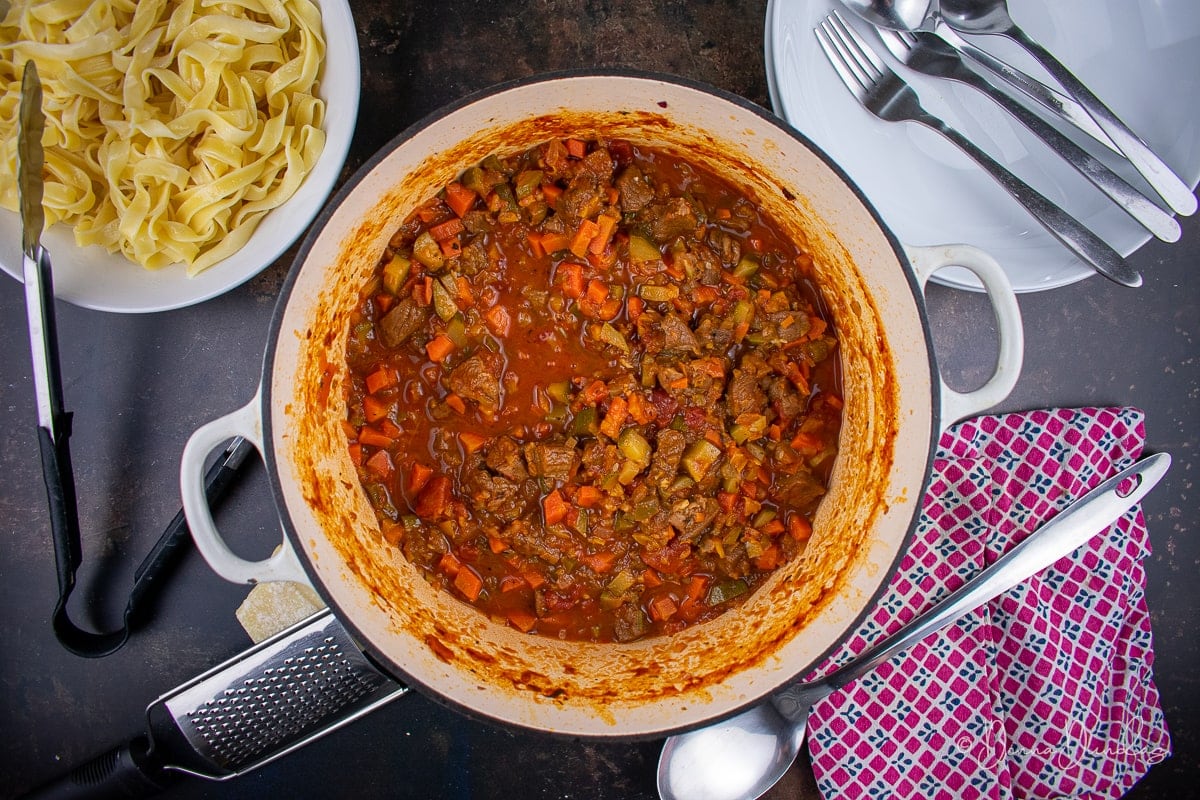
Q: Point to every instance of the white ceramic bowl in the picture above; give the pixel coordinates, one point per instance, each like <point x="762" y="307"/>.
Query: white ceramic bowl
<point x="94" y="278"/>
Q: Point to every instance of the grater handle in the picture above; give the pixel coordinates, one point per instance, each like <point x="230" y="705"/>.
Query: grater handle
<point x="125" y="772"/>
<point x="244" y="422"/>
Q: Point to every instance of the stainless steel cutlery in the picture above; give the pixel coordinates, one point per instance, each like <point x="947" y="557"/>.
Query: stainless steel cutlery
<point x="886" y="95"/>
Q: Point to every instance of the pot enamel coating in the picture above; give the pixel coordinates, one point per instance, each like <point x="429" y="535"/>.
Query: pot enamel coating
<point x="895" y="407"/>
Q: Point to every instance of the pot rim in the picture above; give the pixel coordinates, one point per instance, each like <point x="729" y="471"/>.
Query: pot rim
<point x="372" y="651"/>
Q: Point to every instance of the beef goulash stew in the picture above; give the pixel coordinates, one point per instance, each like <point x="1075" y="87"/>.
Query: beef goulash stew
<point x="592" y="392"/>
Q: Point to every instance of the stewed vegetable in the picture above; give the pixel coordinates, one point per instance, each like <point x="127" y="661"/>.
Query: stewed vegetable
<point x="592" y="391"/>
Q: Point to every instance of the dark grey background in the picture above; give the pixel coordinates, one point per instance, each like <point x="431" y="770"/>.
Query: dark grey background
<point x="139" y="385"/>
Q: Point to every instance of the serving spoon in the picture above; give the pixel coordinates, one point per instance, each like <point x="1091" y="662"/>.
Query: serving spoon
<point x="744" y="756"/>
<point x="991" y="17"/>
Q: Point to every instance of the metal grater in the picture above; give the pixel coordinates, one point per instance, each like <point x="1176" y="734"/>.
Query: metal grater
<point x="268" y="701"/>
<point x="276" y="697"/>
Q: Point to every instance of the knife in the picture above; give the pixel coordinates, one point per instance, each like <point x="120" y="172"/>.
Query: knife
<point x="54" y="421"/>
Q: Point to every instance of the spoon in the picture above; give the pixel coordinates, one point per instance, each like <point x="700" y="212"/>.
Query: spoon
<point x="743" y="756"/>
<point x="991" y="17"/>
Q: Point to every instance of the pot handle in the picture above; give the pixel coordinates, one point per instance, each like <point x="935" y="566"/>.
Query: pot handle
<point x="283" y="565"/>
<point x="960" y="405"/>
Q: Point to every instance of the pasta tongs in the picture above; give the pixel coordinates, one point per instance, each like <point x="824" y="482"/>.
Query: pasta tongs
<point x="54" y="421"/>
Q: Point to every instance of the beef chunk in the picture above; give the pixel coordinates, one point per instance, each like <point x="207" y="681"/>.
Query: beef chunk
<point x="478" y="379"/>
<point x="799" y="491"/>
<point x="668" y="449"/>
<point x="504" y="457"/>
<point x="583" y="198"/>
<point x="402" y="322"/>
<point x="677" y="335"/>
<point x="693" y="517"/>
<point x="474" y="257"/>
<point x="629" y="623"/>
<point x="636" y="191"/>
<point x="496" y="495"/>
<point x="743" y="395"/>
<point x="666" y="220"/>
<point x="553" y="461"/>
<point x="787" y="401"/>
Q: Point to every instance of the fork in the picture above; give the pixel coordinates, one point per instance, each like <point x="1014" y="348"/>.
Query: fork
<point x="885" y="94"/>
<point x="927" y="53"/>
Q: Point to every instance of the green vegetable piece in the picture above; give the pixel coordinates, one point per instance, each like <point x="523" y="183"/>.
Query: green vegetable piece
<point x="559" y="391"/>
<point x="747" y="266"/>
<point x="634" y="446"/>
<point x="699" y="458"/>
<point x="610" y="335"/>
<point x="527" y="181"/>
<point x="585" y="422"/>
<point x="456" y="331"/>
<point x="443" y="303"/>
<point x="428" y="251"/>
<point x="396" y="273"/>
<point x="658" y="294"/>
<point x="726" y="591"/>
<point x="642" y="249"/>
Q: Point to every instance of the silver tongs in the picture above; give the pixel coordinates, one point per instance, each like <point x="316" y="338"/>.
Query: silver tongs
<point x="54" y="421"/>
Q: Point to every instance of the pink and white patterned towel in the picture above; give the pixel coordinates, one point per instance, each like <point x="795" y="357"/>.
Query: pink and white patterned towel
<point x="1046" y="692"/>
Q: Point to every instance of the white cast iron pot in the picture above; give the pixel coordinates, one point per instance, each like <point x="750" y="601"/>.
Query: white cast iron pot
<point x="895" y="407"/>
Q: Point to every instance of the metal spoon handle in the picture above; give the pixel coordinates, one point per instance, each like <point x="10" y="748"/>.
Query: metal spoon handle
<point x="1079" y="522"/>
<point x="1078" y="239"/>
<point x="1172" y="189"/>
<point x="1062" y="106"/>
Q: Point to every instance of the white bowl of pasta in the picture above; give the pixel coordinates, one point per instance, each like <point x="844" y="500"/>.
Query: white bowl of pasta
<point x="184" y="154"/>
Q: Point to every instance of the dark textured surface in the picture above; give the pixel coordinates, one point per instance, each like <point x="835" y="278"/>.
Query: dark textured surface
<point x="140" y="385"/>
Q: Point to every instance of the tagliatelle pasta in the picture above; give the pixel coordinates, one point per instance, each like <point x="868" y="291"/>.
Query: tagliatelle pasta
<point x="172" y="126"/>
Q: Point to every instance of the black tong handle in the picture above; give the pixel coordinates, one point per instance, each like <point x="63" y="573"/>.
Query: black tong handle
<point x="68" y="552"/>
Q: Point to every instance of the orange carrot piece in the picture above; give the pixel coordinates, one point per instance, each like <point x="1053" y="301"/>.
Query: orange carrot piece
<point x="584" y="234"/>
<point x="588" y="496"/>
<point x="535" y="579"/>
<point x="448" y="229"/>
<point x="634" y="306"/>
<point x="382" y="378"/>
<point x="375" y="409"/>
<point x="521" y="620"/>
<point x="662" y="608"/>
<point x="459" y="198"/>
<point x="650" y="578"/>
<point x="768" y="559"/>
<point x="381" y="464"/>
<point x="356" y="454"/>
<point x="554" y="508"/>
<point x="618" y="412"/>
<point x="553" y="242"/>
<point x="511" y="583"/>
<point x="606" y="226"/>
<point x="471" y="441"/>
<point x="373" y="438"/>
<point x="439" y="347"/>
<point x="799" y="528"/>
<point x="418" y="476"/>
<point x="456" y="403"/>
<point x="434" y="498"/>
<point x="600" y="563"/>
<point x="572" y="279"/>
<point x="449" y="564"/>
<point x="496" y="544"/>
<point x="597" y="291"/>
<point x="551" y="192"/>
<point x="470" y="584"/>
<point x="576" y="148"/>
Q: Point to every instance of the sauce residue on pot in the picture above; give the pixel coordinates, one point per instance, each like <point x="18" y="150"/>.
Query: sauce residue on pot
<point x="593" y="392"/>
